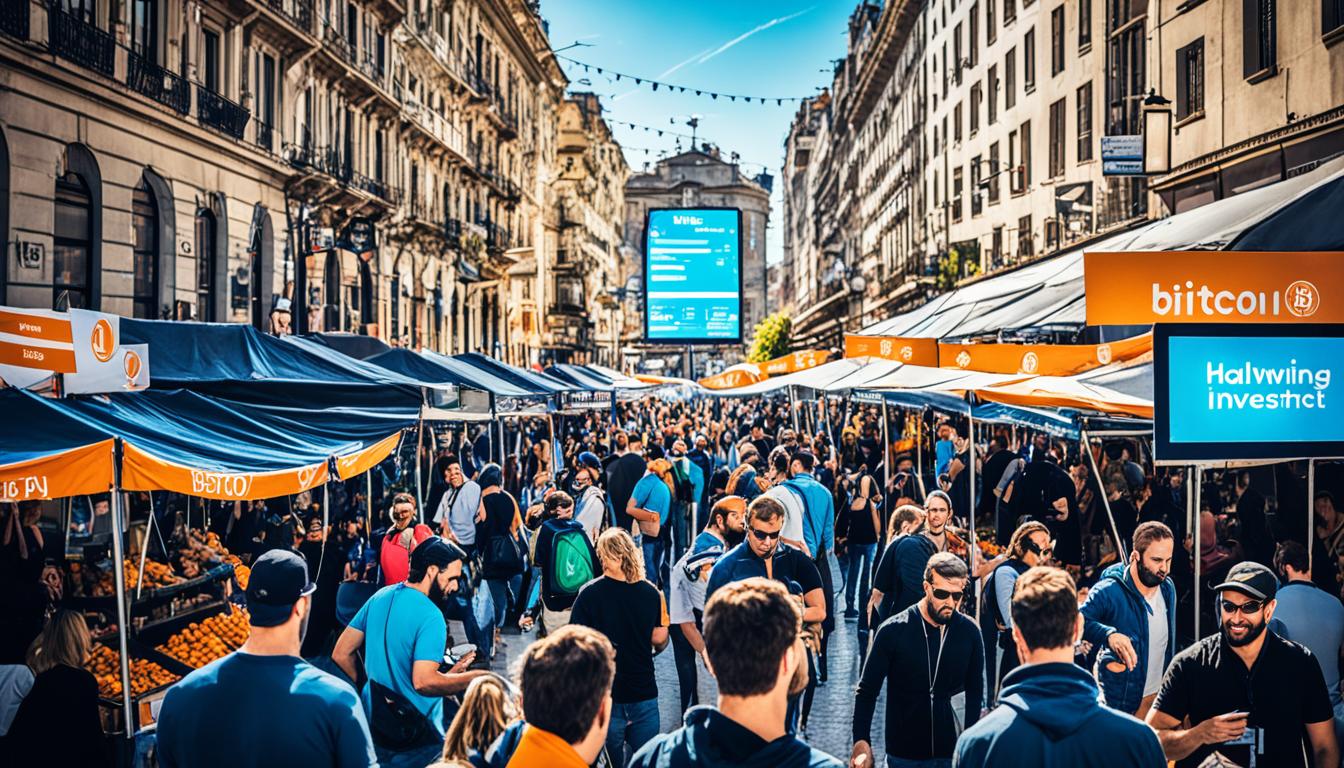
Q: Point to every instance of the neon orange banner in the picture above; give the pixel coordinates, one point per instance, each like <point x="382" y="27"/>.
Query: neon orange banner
<point x="358" y="463"/>
<point x="1213" y="287"/>
<point x="52" y="359"/>
<point x="35" y="326"/>
<point x="904" y="349"/>
<point x="730" y="379"/>
<point x="795" y="361"/>
<point x="72" y="473"/>
<point x="142" y="472"/>
<point x="1042" y="359"/>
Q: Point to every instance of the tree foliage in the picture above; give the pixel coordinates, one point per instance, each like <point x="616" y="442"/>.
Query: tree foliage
<point x="770" y="339"/>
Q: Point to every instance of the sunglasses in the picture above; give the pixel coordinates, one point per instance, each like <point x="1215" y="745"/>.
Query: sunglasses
<point x="763" y="536"/>
<point x="1248" y="608"/>
<point x="943" y="594"/>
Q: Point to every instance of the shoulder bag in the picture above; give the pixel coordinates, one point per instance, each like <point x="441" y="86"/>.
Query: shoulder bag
<point x="395" y="722"/>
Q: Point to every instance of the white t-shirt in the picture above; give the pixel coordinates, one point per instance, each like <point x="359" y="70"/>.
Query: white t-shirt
<point x="793" y="512"/>
<point x="592" y="508"/>
<point x="1157" y="642"/>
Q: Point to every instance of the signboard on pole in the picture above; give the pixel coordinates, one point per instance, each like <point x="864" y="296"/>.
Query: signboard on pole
<point x="1226" y="393"/>
<point x="1122" y="155"/>
<point x="693" y="276"/>
<point x="1139" y="288"/>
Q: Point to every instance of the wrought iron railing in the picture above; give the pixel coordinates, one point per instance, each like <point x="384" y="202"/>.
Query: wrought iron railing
<point x="147" y="78"/>
<point x="452" y="229"/>
<point x="300" y="12"/>
<point x="14" y="16"/>
<point x="265" y="136"/>
<point x="76" y="40"/>
<point x="215" y="111"/>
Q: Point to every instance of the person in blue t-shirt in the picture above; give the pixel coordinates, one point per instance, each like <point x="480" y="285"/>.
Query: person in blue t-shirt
<point x="652" y="501"/>
<point x="283" y="710"/>
<point x="404" y="635"/>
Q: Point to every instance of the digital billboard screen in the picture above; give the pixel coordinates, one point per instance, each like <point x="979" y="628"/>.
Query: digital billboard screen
<point x="1247" y="392"/>
<point x="693" y="275"/>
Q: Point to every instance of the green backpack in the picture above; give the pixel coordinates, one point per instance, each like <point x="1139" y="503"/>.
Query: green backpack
<point x="571" y="564"/>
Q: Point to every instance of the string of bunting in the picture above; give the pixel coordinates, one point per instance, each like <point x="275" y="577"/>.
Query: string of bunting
<point x="656" y="84"/>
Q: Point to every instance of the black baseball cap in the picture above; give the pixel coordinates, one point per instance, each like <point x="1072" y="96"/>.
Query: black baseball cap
<point x="1251" y="579"/>
<point x="279" y="578"/>
<point x="435" y="550"/>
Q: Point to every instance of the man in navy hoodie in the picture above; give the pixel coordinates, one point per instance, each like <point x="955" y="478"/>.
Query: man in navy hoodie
<point x="1048" y="715"/>
<point x="752" y="637"/>
<point x="1131" y="617"/>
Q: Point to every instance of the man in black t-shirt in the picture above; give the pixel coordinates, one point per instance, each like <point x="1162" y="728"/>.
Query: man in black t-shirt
<point x="631" y="612"/>
<point x="1246" y="688"/>
<point x="622" y="475"/>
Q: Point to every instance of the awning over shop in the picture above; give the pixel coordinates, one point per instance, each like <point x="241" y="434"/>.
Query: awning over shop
<point x="579" y="377"/>
<point x="537" y="383"/>
<point x="812" y="378"/>
<point x="621" y="380"/>
<point x="355" y="345"/>
<point x="45" y="453"/>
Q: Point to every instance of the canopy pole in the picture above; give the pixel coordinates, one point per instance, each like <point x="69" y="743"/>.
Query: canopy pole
<point x="123" y="615"/>
<point x="419" y="497"/>
<point x="886" y="459"/>
<point x="144" y="546"/>
<point x="793" y="409"/>
<point x="550" y="460"/>
<point x="1192" y="499"/>
<point x="1106" y="502"/>
<point x="1311" y="512"/>
<point x="368" y="500"/>
<point x="919" y="454"/>
<point x="973" y="544"/>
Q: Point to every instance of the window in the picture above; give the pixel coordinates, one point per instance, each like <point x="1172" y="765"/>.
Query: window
<point x="977" y="194"/>
<point x="993" y="101"/>
<point x="1052" y="231"/>
<point x="945" y="68"/>
<point x="1026" y="156"/>
<point x="205" y="266"/>
<point x="145" y="29"/>
<point x="1012" y="162"/>
<point x="1057" y="41"/>
<point x="1190" y="80"/>
<point x="956" y="123"/>
<point x="72" y="259"/>
<point x="991" y="33"/>
<point x="1258" y="33"/>
<point x="1332" y="19"/>
<point x="1084" y="25"/>
<point x="996" y="253"/>
<point x="1024" y="249"/>
<point x="1029" y="60"/>
<point x="977" y="93"/>
<point x="956" y="193"/>
<point x="1057" y="129"/>
<point x="1009" y="11"/>
<point x="210" y="60"/>
<point x="994" y="171"/>
<point x="145" y="252"/>
<point x="956" y="52"/>
<point x="973" y="36"/>
<point x="1010" y="79"/>
<point x="1085" y="122"/>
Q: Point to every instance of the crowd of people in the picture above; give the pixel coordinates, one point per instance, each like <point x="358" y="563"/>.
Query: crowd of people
<point x="1022" y="601"/>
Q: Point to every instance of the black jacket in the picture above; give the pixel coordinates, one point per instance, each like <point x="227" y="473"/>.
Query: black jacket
<point x="710" y="739"/>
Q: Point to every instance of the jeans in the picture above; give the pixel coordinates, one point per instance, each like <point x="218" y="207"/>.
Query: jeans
<point x="687" y="674"/>
<point x="635" y="724"/>
<point x="859" y="575"/>
<point x="653" y="553"/>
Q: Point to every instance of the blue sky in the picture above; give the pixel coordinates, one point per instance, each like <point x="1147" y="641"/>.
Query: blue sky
<point x="764" y="48"/>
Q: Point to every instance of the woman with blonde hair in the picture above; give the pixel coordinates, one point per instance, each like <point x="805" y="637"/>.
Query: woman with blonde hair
<point x="58" y="722"/>
<point x="905" y="520"/>
<point x="487" y="709"/>
<point x="630" y="611"/>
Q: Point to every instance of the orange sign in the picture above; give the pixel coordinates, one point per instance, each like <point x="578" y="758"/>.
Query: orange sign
<point x="73" y="473"/>
<point x="102" y="341"/>
<point x="360" y="462"/>
<point x="1042" y="359"/>
<point x="54" y="359"/>
<point x="729" y="379"/>
<point x="142" y="472"/>
<point x="131" y="364"/>
<point x="795" y="361"/>
<point x="1214" y="287"/>
<point x="904" y="349"/>
<point x="35" y="326"/>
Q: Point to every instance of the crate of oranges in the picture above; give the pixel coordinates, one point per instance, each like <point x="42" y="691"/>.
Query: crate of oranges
<point x="146" y="675"/>
<point x="200" y="643"/>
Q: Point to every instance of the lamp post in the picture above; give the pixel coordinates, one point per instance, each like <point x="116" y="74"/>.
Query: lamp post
<point x="1156" y="134"/>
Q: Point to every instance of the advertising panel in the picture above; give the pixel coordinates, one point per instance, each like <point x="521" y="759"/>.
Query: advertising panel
<point x="693" y="276"/>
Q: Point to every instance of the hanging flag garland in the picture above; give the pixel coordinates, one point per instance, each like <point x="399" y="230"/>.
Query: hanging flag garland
<point x="654" y="84"/>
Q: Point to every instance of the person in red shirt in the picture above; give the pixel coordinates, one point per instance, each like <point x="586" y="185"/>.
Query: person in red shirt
<point x="394" y="552"/>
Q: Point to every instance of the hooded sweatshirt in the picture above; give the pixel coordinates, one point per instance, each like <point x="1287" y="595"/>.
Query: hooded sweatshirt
<point x="710" y="738"/>
<point x="1048" y="717"/>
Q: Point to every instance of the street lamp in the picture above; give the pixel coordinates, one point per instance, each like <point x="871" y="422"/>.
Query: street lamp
<point x="1156" y="133"/>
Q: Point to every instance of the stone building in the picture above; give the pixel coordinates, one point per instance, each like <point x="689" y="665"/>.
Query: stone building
<point x="699" y="178"/>
<point x="172" y="158"/>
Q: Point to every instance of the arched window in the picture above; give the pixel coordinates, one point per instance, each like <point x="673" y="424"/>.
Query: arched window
<point x="145" y="252"/>
<point x="205" y="265"/>
<point x="72" y="263"/>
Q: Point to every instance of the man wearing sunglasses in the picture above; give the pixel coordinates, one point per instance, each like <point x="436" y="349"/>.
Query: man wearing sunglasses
<point x="927" y="655"/>
<point x="1246" y="692"/>
<point x="1028" y="547"/>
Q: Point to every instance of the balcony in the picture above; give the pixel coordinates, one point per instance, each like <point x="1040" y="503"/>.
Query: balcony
<point x="215" y="111"/>
<point x="14" y="18"/>
<point x="149" y="79"/>
<point x="297" y="12"/>
<point x="380" y="189"/>
<point x="265" y="136"/>
<point x="75" y="40"/>
<point x="331" y="162"/>
<point x="452" y="230"/>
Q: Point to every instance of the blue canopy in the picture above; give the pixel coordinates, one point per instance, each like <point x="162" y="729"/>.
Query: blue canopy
<point x="474" y="376"/>
<point x="580" y="377"/>
<point x="537" y="383"/>
<point x="355" y="345"/>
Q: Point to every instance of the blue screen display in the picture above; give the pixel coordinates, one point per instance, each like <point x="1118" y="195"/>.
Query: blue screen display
<point x="1255" y="389"/>
<point x="692" y="278"/>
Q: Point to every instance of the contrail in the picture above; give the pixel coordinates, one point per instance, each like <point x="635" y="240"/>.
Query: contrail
<point x="745" y="35"/>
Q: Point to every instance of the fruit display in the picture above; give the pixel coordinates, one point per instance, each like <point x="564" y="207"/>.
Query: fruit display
<point x="180" y="605"/>
<point x="156" y="575"/>
<point x="201" y="551"/>
<point x="200" y="643"/>
<point x="105" y="664"/>
<point x="989" y="549"/>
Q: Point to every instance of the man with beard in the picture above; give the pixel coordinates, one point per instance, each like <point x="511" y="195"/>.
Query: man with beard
<point x="403" y="634"/>
<point x="926" y="654"/>
<point x="753" y="644"/>
<point x="1246" y="692"/>
<point x="759" y="439"/>
<point x="898" y="583"/>
<point x="291" y="712"/>
<point x="1131" y="616"/>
